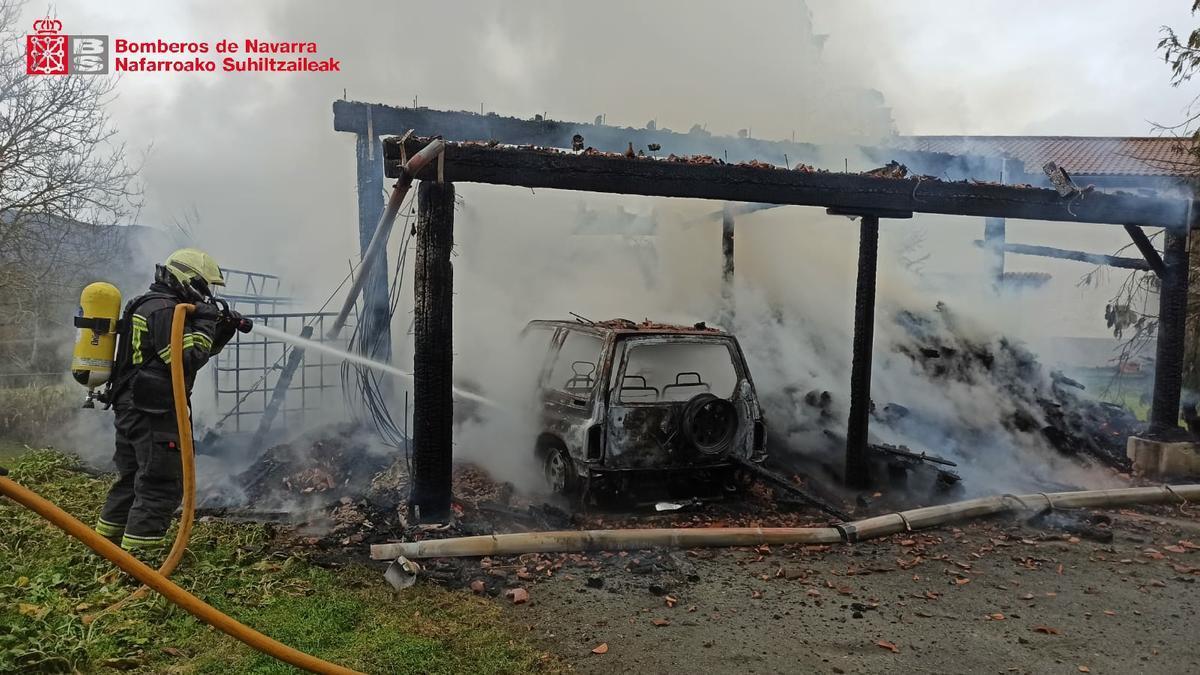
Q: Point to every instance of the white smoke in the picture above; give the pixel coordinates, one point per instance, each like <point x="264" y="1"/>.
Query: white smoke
<point x="256" y="156"/>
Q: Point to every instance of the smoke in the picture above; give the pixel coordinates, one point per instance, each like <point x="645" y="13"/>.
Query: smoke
<point x="256" y="157"/>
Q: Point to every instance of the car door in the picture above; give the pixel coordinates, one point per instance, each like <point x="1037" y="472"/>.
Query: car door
<point x="570" y="389"/>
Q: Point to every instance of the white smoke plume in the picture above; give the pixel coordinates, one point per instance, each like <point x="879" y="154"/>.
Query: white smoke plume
<point x="257" y="158"/>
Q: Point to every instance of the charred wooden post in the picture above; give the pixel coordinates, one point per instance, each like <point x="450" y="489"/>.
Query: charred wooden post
<point x="1172" y="317"/>
<point x="1191" y="356"/>
<point x="433" y="408"/>
<point x="857" y="470"/>
<point x="993" y="245"/>
<point x="727" y="261"/>
<point x="375" y="324"/>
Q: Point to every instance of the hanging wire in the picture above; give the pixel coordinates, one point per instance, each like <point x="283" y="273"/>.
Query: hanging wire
<point x="362" y="387"/>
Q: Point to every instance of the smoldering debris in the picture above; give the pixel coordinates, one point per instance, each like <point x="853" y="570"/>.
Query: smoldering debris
<point x="968" y="396"/>
<point x="319" y="467"/>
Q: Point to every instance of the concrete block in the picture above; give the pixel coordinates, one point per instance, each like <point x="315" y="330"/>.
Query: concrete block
<point x="1158" y="459"/>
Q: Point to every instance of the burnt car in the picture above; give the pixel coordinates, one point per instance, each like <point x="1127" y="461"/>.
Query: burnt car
<point x="625" y="404"/>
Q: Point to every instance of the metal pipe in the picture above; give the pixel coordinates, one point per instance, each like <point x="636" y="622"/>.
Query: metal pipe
<point x="384" y="229"/>
<point x="857" y="470"/>
<point x="879" y="526"/>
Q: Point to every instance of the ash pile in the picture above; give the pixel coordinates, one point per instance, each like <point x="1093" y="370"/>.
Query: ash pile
<point x="331" y="485"/>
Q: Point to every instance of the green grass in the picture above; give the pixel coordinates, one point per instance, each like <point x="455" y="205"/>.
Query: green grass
<point x="49" y="582"/>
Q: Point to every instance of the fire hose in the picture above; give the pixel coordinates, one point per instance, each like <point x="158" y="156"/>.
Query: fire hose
<point x="157" y="580"/>
<point x="187" y="458"/>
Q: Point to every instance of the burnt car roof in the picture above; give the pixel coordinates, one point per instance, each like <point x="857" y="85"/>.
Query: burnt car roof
<point x="627" y="327"/>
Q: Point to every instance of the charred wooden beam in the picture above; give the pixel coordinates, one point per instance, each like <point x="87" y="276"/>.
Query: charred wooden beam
<point x="1068" y="254"/>
<point x="540" y="168"/>
<point x="460" y="125"/>
<point x="1144" y="245"/>
<point x="433" y="397"/>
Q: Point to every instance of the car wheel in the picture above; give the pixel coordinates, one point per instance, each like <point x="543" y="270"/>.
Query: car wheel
<point x="559" y="472"/>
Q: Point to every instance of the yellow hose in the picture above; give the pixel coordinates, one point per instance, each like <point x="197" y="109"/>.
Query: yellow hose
<point x="187" y="456"/>
<point x="143" y="573"/>
<point x="158" y="580"/>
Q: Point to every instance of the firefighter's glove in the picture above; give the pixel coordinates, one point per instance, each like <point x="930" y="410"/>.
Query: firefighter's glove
<point x="239" y="322"/>
<point x="206" y="311"/>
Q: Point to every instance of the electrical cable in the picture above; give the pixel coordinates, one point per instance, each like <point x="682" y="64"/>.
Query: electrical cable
<point x="362" y="388"/>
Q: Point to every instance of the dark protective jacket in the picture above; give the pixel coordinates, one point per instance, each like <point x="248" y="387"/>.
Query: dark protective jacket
<point x="143" y="377"/>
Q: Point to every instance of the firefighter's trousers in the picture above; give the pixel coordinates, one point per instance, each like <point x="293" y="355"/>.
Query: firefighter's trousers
<point x="149" y="484"/>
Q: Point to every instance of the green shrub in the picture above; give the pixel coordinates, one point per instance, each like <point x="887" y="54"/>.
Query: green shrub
<point x="38" y="415"/>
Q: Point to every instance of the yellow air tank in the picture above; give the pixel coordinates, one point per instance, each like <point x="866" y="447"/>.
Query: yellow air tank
<point x="96" y="346"/>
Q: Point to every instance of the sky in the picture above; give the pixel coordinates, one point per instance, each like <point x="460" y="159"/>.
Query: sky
<point x="271" y="185"/>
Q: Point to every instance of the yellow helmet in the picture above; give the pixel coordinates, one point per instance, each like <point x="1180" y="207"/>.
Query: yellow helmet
<point x="191" y="264"/>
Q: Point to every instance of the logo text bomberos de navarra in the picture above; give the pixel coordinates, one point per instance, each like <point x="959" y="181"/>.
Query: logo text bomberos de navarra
<point x="232" y="56"/>
<point x="48" y="51"/>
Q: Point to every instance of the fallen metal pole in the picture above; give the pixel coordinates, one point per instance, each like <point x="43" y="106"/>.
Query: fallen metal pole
<point x="870" y="528"/>
<point x="384" y="229"/>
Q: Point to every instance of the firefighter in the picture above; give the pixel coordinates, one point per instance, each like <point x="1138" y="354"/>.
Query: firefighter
<point x="149" y="486"/>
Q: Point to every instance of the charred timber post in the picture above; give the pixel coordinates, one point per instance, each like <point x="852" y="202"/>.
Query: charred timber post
<point x="433" y="403"/>
<point x="727" y="261"/>
<point x="1172" y="317"/>
<point x="375" y="330"/>
<point x="993" y="244"/>
<point x="857" y="470"/>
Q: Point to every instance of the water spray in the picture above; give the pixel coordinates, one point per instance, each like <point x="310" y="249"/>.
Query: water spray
<point x="325" y="348"/>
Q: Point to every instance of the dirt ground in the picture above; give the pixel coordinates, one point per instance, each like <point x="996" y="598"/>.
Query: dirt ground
<point x="989" y="597"/>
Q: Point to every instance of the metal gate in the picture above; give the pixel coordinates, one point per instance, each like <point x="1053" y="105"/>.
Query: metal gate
<point x="247" y="371"/>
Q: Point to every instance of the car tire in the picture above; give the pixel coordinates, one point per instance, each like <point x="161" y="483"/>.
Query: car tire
<point x="709" y="424"/>
<point x="558" y="470"/>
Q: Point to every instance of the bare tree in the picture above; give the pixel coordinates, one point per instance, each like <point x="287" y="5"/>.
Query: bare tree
<point x="65" y="181"/>
<point x="1183" y="56"/>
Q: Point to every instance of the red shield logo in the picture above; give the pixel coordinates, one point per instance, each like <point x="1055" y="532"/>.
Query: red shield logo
<point x="46" y="50"/>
